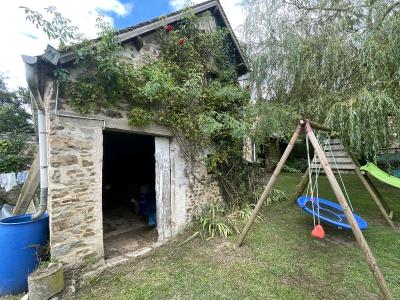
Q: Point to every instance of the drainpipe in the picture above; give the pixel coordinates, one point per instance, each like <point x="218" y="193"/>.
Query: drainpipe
<point x="31" y="71"/>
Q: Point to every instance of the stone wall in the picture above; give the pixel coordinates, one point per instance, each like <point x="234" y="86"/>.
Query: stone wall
<point x="203" y="189"/>
<point x="75" y="153"/>
<point x="75" y="184"/>
<point x="191" y="188"/>
<point x="74" y="204"/>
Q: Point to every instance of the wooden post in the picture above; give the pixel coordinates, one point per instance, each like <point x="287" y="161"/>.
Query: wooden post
<point x="370" y="190"/>
<point x="384" y="203"/>
<point x="378" y="194"/>
<point x="163" y="187"/>
<point x="29" y="189"/>
<point x="270" y="184"/>
<point x="317" y="126"/>
<point x="301" y="186"/>
<point x="349" y="215"/>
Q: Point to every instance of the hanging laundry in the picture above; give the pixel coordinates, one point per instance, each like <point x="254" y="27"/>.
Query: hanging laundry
<point x="11" y="181"/>
<point x="21" y="177"/>
<point x="3" y="180"/>
<point x="26" y="174"/>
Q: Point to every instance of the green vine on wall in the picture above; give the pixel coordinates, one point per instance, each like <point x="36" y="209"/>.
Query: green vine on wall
<point x="191" y="87"/>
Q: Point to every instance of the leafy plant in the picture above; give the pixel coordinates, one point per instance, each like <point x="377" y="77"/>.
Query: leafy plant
<point x="213" y="222"/>
<point x="238" y="216"/>
<point x="13" y="109"/>
<point x="276" y="196"/>
<point x="58" y="28"/>
<point x="219" y="221"/>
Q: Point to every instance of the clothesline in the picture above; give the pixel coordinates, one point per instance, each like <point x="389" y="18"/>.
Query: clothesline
<point x="9" y="180"/>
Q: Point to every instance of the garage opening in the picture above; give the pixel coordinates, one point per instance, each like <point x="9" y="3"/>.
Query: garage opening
<point x="129" y="198"/>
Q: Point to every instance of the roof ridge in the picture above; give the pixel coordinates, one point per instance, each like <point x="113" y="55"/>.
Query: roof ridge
<point x="149" y="26"/>
<point x="160" y="17"/>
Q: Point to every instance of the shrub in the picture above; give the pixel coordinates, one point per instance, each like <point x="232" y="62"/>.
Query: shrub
<point x="12" y="156"/>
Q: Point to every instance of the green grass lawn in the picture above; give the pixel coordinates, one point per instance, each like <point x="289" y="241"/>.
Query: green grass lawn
<point x="279" y="259"/>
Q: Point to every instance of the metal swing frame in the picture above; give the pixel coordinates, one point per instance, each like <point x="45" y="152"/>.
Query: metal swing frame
<point x="307" y="126"/>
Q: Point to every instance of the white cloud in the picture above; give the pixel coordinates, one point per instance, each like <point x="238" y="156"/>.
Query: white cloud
<point x="232" y="9"/>
<point x="21" y="37"/>
<point x="113" y="5"/>
<point x="178" y="4"/>
<point x="235" y="14"/>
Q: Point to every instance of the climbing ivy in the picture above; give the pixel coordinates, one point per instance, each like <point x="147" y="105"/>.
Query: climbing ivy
<point x="191" y="87"/>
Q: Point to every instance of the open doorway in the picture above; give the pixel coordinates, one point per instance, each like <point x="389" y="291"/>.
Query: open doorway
<point x="129" y="198"/>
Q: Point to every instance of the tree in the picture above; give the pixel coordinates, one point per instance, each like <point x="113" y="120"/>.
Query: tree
<point x="335" y="61"/>
<point x="15" y="126"/>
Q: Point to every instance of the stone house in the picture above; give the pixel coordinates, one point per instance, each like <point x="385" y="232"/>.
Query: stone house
<point x="100" y="168"/>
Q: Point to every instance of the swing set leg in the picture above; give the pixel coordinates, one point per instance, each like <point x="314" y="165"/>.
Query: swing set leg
<point x="362" y="243"/>
<point x="270" y="184"/>
<point x="301" y="186"/>
<point x="375" y="196"/>
<point x="378" y="194"/>
<point x="376" y="199"/>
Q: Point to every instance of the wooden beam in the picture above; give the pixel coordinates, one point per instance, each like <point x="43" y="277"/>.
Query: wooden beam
<point x="270" y="184"/>
<point x="163" y="187"/>
<point x="29" y="189"/>
<point x="372" y="193"/>
<point x="316" y="125"/>
<point x="301" y="186"/>
<point x="378" y="194"/>
<point x="349" y="215"/>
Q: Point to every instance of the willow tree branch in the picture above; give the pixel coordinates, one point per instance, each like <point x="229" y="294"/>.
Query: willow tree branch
<point x="299" y="5"/>
<point x="389" y="10"/>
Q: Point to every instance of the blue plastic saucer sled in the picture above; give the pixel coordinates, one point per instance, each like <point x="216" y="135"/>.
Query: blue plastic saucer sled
<point x="329" y="212"/>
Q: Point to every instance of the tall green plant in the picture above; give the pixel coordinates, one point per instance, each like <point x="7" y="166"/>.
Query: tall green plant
<point x="219" y="221"/>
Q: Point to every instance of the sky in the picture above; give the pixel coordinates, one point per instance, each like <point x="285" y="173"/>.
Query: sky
<point x="21" y="37"/>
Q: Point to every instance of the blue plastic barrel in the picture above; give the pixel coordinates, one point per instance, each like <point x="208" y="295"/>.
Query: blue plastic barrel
<point x="20" y="240"/>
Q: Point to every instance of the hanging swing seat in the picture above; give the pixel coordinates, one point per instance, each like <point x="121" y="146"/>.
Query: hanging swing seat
<point x="329" y="212"/>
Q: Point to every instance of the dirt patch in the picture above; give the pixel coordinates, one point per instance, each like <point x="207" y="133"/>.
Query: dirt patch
<point x="129" y="241"/>
<point x="343" y="239"/>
